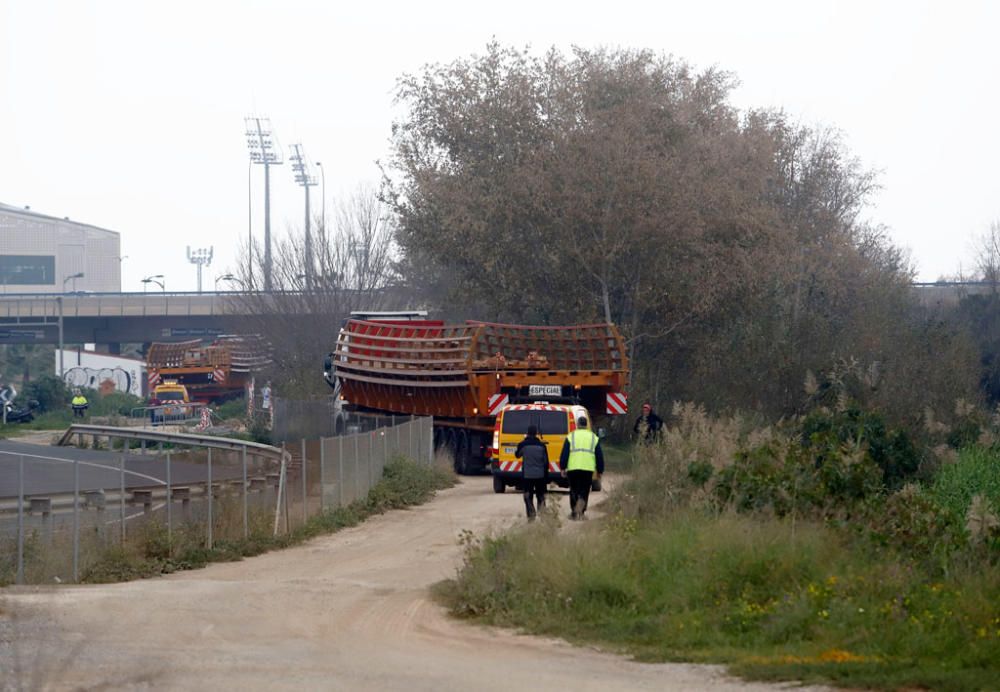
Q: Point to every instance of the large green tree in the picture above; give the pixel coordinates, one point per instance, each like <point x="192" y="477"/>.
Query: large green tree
<point x="622" y="185"/>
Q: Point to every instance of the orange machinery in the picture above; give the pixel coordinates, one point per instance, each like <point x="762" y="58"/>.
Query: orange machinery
<point x="462" y="375"/>
<point x="210" y="372"/>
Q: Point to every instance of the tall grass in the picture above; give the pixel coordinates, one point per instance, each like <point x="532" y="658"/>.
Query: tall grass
<point x="787" y="555"/>
<point x="775" y="600"/>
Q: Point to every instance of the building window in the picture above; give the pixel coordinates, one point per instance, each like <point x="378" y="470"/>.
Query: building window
<point x="27" y="270"/>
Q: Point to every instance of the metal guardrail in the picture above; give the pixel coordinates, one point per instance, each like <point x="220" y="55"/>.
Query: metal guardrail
<point x="111" y="431"/>
<point x="145" y="495"/>
<point x="168" y="413"/>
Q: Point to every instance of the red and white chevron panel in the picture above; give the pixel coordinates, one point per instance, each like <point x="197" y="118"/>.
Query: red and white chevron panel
<point x="153" y="378"/>
<point x="510" y="465"/>
<point x="617" y="404"/>
<point x="495" y="403"/>
<point x="219" y="375"/>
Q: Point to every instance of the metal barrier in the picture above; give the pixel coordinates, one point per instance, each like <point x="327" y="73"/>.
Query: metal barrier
<point x="211" y="485"/>
<point x="166" y="414"/>
<point x="178" y="471"/>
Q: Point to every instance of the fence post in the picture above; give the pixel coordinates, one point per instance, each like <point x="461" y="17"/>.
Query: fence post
<point x="340" y="471"/>
<point x="305" y="487"/>
<point x="246" y="517"/>
<point x="357" y="467"/>
<point x="20" y="519"/>
<point x="322" y="471"/>
<point x="170" y="509"/>
<point x="76" y="520"/>
<point x="121" y="496"/>
<point x="210" y="494"/>
<point x="409" y="443"/>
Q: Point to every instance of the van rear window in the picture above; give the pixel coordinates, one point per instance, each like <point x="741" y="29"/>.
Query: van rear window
<point x="547" y="422"/>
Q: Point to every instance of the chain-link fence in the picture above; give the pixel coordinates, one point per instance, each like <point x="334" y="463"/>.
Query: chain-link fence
<point x="296" y="419"/>
<point x="331" y="472"/>
<point x="61" y="517"/>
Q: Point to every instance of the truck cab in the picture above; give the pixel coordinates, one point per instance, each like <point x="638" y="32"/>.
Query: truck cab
<point x="169" y="401"/>
<point x="553" y="421"/>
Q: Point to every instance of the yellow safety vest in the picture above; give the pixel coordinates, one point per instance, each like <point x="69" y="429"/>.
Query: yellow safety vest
<point x="79" y="401"/>
<point x="582" y="451"/>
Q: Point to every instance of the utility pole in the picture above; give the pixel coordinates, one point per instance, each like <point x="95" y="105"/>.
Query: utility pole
<point x="264" y="150"/>
<point x="300" y="164"/>
<point x="201" y="258"/>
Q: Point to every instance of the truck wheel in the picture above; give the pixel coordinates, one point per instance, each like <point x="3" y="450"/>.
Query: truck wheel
<point x="498" y="485"/>
<point x="595" y="485"/>
<point x="453" y="444"/>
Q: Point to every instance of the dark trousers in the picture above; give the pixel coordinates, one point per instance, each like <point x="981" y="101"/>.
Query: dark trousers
<point x="78" y="411"/>
<point x="579" y="491"/>
<point x="533" y="487"/>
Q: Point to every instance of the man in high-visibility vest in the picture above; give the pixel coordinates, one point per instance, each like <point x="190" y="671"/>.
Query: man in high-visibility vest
<point x="79" y="404"/>
<point x="580" y="459"/>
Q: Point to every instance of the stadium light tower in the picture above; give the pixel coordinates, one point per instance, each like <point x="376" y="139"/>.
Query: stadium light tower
<point x="265" y="151"/>
<point x="202" y="258"/>
<point x="300" y="164"/>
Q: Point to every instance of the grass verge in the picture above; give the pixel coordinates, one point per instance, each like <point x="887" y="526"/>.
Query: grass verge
<point x="149" y="552"/>
<point x="773" y="599"/>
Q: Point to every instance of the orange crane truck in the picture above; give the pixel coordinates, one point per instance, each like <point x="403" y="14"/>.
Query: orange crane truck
<point x="464" y="375"/>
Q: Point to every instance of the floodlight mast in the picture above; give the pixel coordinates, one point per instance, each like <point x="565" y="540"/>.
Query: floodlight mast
<point x="201" y="257"/>
<point x="300" y="164"/>
<point x="264" y="151"/>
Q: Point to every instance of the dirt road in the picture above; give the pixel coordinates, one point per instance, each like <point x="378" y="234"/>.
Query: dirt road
<point x="348" y="611"/>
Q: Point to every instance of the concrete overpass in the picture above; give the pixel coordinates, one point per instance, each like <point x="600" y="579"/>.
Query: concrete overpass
<point x="950" y="293"/>
<point x="114" y="318"/>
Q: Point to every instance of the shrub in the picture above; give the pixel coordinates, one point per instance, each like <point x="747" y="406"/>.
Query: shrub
<point x="977" y="472"/>
<point x="49" y="391"/>
<point x="891" y="450"/>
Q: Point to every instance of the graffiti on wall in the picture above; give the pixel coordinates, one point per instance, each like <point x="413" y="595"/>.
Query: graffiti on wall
<point x="96" y="378"/>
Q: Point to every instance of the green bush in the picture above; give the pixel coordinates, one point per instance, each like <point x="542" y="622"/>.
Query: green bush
<point x="891" y="450"/>
<point x="234" y="408"/>
<point x="49" y="391"/>
<point x="977" y="472"/>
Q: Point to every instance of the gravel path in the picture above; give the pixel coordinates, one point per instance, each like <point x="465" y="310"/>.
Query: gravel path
<point x="349" y="611"/>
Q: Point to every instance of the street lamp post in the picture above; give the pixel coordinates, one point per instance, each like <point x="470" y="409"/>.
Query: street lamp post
<point x="225" y="277"/>
<point x="250" y="221"/>
<point x="322" y="173"/>
<point x="59" y="302"/>
<point x="153" y="280"/>
<point x="73" y="278"/>
<point x="121" y="259"/>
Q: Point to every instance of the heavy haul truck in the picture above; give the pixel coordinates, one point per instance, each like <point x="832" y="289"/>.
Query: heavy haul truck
<point x="464" y="375"/>
<point x="211" y="373"/>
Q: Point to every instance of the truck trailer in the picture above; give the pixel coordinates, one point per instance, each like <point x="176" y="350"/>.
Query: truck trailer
<point x="463" y="375"/>
<point x="212" y="372"/>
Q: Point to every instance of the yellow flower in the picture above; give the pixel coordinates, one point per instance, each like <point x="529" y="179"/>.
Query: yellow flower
<point x="840" y="656"/>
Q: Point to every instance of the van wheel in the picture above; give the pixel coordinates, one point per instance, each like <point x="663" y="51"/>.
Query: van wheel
<point x="498" y="485"/>
<point x="595" y="485"/>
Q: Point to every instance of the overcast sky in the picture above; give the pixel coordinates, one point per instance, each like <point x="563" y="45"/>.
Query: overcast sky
<point x="129" y="115"/>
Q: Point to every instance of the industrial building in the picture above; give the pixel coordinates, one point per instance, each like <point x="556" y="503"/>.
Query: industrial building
<point x="47" y="254"/>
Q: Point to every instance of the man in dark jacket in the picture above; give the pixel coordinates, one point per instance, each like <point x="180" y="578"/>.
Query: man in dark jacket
<point x="647" y="426"/>
<point x="534" y="467"/>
